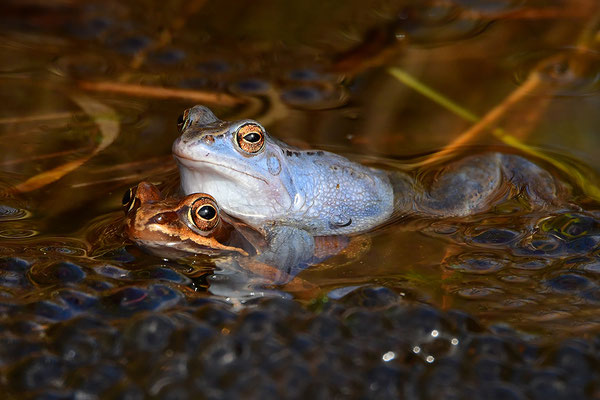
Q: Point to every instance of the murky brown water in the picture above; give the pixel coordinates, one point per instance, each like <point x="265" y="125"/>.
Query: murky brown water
<point x="317" y="75"/>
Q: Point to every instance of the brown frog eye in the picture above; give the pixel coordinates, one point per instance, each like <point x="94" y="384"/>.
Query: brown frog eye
<point x="182" y="120"/>
<point x="250" y="138"/>
<point x="129" y="200"/>
<point x="204" y="213"/>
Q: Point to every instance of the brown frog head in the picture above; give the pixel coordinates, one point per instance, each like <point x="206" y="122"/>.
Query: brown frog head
<point x="176" y="227"/>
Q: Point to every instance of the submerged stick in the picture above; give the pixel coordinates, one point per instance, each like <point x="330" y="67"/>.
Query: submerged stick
<point x="481" y="124"/>
<point x="36" y="118"/>
<point x="162" y="93"/>
<point x="108" y="124"/>
<point x="493" y="116"/>
<point x="589" y="38"/>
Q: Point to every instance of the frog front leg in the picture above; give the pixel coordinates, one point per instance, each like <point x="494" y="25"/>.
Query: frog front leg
<point x="243" y="278"/>
<point x="287" y="252"/>
<point x="289" y="249"/>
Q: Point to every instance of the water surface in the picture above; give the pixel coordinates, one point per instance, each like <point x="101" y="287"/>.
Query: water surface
<point x="316" y="75"/>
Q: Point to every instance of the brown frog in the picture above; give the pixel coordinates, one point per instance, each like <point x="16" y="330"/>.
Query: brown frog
<point x="178" y="227"/>
<point x="194" y="224"/>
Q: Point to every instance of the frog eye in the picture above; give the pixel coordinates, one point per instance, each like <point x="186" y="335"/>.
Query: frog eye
<point x="129" y="200"/>
<point x="182" y="120"/>
<point x="204" y="213"/>
<point x="250" y="138"/>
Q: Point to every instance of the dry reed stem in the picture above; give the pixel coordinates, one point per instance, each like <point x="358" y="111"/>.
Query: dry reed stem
<point x="36" y="118"/>
<point x="532" y="83"/>
<point x="107" y="121"/>
<point x="530" y="13"/>
<point x="15" y="161"/>
<point x="162" y="93"/>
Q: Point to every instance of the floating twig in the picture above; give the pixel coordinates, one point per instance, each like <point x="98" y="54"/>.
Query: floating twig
<point x="489" y="119"/>
<point x="107" y="121"/>
<point x="162" y="93"/>
<point x="36" y="118"/>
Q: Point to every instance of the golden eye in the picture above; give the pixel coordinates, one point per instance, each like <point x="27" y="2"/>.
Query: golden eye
<point x="204" y="213"/>
<point x="183" y="120"/>
<point x="129" y="200"/>
<point x="250" y="138"/>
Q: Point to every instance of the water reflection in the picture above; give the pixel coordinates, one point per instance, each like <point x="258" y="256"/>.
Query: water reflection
<point x="84" y="313"/>
<point x="8" y="213"/>
<point x="564" y="71"/>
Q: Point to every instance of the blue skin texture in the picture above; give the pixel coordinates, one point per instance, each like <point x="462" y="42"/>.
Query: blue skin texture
<point x="290" y="193"/>
<point x="319" y="192"/>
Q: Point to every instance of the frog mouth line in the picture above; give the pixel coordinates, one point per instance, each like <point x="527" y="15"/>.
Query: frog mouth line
<point x="194" y="161"/>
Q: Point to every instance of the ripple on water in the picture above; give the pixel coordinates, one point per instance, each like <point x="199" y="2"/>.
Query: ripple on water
<point x="442" y="228"/>
<point x="111" y="271"/>
<point x="515" y="279"/>
<point x="532" y="265"/>
<point x="77" y="300"/>
<point x="254" y="86"/>
<point x="547" y="244"/>
<point x="132" y="299"/>
<point x="476" y="263"/>
<point x="56" y="273"/>
<point x="213" y="67"/>
<point x="149" y="333"/>
<point x="381" y="351"/>
<point x="495" y="237"/>
<point x="8" y="213"/>
<point x="569" y="226"/>
<point x="63" y="250"/>
<point x="590" y="266"/>
<point x="489" y="6"/>
<point x="510" y="304"/>
<point x="17" y="233"/>
<point x="13" y="275"/>
<point x="314" y="97"/>
<point x="82" y="65"/>
<point x="14" y="264"/>
<point x="89" y="28"/>
<point x="562" y="234"/>
<point x="569" y="283"/>
<point x="37" y="373"/>
<point x="477" y="293"/>
<point x="436" y="23"/>
<point x="565" y="71"/>
<point x="161" y="274"/>
<point x="304" y="75"/>
<point x="130" y="45"/>
<point x="168" y="56"/>
<point x="50" y="310"/>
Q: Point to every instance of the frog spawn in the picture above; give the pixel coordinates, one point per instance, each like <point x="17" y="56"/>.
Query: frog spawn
<point x="538" y="272"/>
<point x="372" y="343"/>
<point x="127" y="334"/>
